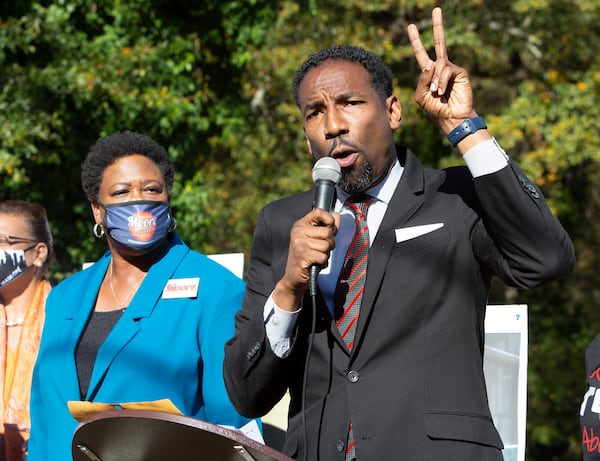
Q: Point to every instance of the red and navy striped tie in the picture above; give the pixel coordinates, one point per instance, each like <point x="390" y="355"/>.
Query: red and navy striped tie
<point x="351" y="284"/>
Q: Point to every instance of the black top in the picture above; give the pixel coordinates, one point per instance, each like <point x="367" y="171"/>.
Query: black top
<point x="96" y="331"/>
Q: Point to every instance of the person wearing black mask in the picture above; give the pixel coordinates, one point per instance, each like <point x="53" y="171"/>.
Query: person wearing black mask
<point x="148" y="321"/>
<point x="26" y="252"/>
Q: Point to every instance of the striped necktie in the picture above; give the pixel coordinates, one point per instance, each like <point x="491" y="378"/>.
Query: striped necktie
<point x="351" y="282"/>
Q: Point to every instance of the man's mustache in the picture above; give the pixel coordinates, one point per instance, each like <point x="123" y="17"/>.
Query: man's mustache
<point x="339" y="143"/>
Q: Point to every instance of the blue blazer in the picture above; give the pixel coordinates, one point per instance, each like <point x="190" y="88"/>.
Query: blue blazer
<point x="160" y="348"/>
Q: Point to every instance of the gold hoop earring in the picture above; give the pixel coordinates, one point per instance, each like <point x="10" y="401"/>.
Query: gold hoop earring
<point x="98" y="230"/>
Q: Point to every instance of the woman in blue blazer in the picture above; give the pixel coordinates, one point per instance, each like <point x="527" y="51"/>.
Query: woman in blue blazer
<point x="148" y="321"/>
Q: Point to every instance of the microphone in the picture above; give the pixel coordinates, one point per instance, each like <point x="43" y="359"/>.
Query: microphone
<point x="326" y="174"/>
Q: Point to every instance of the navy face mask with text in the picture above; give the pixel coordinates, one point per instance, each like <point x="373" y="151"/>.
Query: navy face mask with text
<point x="139" y="225"/>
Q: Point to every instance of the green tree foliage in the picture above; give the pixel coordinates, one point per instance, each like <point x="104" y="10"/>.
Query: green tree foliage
<point x="77" y="70"/>
<point x="211" y="81"/>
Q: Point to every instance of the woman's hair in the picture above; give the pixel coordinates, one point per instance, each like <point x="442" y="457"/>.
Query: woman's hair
<point x="36" y="220"/>
<point x="109" y="149"/>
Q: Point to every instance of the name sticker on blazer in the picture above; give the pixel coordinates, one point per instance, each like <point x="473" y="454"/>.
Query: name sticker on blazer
<point x="181" y="288"/>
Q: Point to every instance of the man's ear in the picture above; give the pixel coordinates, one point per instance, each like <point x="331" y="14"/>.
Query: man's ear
<point x="394" y="110"/>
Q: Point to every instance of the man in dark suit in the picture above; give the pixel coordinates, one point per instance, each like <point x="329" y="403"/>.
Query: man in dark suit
<point x="404" y="379"/>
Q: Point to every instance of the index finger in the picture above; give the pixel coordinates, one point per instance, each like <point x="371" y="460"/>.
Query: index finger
<point x="318" y="217"/>
<point x="439" y="38"/>
<point x="418" y="49"/>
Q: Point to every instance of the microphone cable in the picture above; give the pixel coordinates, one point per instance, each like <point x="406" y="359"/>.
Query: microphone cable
<point x="313" y="296"/>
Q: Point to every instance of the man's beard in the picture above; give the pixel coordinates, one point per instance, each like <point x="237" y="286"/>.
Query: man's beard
<point x="356" y="179"/>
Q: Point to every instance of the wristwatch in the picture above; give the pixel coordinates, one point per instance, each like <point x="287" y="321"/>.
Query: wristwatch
<point x="469" y="126"/>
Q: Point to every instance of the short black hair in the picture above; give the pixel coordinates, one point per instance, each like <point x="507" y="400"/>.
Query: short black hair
<point x="108" y="149"/>
<point x="380" y="73"/>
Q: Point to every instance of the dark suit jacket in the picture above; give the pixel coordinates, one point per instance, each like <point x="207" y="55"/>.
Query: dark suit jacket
<point x="413" y="385"/>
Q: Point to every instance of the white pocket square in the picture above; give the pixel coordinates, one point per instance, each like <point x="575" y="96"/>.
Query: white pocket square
<point x="407" y="233"/>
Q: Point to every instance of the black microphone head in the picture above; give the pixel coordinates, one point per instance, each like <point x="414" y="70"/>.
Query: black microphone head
<point x="327" y="169"/>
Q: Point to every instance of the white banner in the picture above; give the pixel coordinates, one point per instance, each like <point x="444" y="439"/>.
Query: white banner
<point x="505" y="368"/>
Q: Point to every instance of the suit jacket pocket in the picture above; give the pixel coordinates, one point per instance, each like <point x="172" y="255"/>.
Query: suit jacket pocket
<point x="467" y="427"/>
<point x="437" y="238"/>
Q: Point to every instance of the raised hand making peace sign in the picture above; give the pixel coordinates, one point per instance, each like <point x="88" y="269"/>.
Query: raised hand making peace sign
<point x="444" y="89"/>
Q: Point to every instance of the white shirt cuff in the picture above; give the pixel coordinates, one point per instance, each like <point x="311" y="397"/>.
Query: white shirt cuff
<point x="279" y="325"/>
<point x="485" y="158"/>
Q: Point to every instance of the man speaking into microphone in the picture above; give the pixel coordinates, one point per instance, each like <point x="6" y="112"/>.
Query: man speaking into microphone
<point x="389" y="363"/>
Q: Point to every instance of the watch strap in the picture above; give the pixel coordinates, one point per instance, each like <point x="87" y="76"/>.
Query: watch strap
<point x="467" y="127"/>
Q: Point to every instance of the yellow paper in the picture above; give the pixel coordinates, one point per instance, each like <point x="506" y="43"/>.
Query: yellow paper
<point x="81" y="410"/>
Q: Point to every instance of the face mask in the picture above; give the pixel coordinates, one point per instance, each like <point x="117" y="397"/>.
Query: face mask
<point x="139" y="225"/>
<point x="12" y="266"/>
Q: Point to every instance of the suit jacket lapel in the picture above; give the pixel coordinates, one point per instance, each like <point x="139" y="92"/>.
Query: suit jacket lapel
<point x="78" y="306"/>
<point x="406" y="201"/>
<point x="142" y="305"/>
